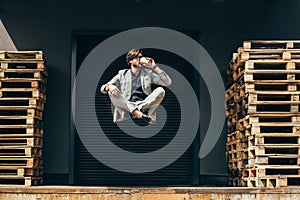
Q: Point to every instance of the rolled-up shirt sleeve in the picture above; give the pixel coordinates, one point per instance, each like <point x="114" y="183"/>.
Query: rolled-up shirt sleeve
<point x="162" y="79"/>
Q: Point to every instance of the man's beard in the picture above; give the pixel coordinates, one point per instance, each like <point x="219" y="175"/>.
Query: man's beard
<point x="137" y="66"/>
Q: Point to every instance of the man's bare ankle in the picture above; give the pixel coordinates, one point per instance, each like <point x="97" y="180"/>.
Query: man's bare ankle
<point x="137" y="114"/>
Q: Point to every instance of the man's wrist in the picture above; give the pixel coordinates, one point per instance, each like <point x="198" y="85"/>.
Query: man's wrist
<point x="155" y="66"/>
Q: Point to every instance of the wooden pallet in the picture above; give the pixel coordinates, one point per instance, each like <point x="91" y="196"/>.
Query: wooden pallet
<point x="268" y="54"/>
<point x="235" y="172"/>
<point x="231" y="102"/>
<point x="262" y="110"/>
<point x="234" y="154"/>
<point x="271" y="128"/>
<point x="19" y="151"/>
<point x="234" y="97"/>
<point x="20" y="111"/>
<point x="271" y="44"/>
<point x="29" y="121"/>
<point x="243" y="113"/>
<point x="23" y="127"/>
<point x="273" y="139"/>
<point x="269" y="88"/>
<point x="230" y="90"/>
<point x="269" y="75"/>
<point x="290" y="116"/>
<point x="20" y="130"/>
<point x="271" y="64"/>
<point x="11" y="102"/>
<point x="20" y="172"/>
<point x="273" y="108"/>
<point x="269" y="98"/>
<point x="233" y="62"/>
<point x="231" y="121"/>
<point x="231" y="69"/>
<point x="235" y="159"/>
<point x="271" y="150"/>
<point x="236" y="135"/>
<point x="266" y="64"/>
<point x="232" y="137"/>
<point x="275" y="119"/>
<point x="21" y="64"/>
<point x="36" y="162"/>
<point x="16" y="80"/>
<point x="275" y="181"/>
<point x="22" y="141"/>
<point x="262" y="58"/>
<point x="22" y="93"/>
<point x="21" y="55"/>
<point x="235" y="177"/>
<point x="273" y="160"/>
<point x="233" y="105"/>
<point x="23" y="74"/>
<point x="21" y="181"/>
<point x="25" y="83"/>
<point x="281" y="84"/>
<point x="235" y="182"/>
<point x="236" y="145"/>
<point x="249" y="120"/>
<point x="267" y="170"/>
<point x="231" y="128"/>
<point x="236" y="163"/>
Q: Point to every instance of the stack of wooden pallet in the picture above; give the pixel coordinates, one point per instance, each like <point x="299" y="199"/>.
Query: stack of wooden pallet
<point x="263" y="118"/>
<point x="23" y="78"/>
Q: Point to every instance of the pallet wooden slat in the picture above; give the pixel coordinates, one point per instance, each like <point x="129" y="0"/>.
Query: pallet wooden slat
<point x="20" y="130"/>
<point x="271" y="44"/>
<point x="276" y="55"/>
<point x="22" y="141"/>
<point x="21" y="55"/>
<point x="16" y="74"/>
<point x="8" y="83"/>
<point x="19" y="151"/>
<point x="22" y="102"/>
<point x="22" y="65"/>
<point x="271" y="181"/>
<point x="21" y="181"/>
<point x="22" y="93"/>
<point x="21" y="161"/>
<point x="19" y="172"/>
<point x="20" y="111"/>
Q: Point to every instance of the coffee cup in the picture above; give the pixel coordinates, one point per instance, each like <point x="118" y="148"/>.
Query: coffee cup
<point x="145" y="61"/>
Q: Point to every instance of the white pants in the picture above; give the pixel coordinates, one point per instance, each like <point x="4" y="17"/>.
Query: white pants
<point x="150" y="103"/>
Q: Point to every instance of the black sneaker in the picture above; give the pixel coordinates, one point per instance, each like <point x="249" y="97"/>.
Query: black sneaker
<point x="148" y="119"/>
<point x="145" y="111"/>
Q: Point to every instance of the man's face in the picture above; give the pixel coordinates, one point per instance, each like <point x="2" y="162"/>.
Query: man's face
<point x="136" y="61"/>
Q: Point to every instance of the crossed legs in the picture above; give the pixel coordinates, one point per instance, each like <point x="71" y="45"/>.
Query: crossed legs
<point x="138" y="109"/>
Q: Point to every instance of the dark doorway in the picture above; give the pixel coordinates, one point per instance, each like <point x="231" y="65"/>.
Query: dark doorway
<point x="88" y="170"/>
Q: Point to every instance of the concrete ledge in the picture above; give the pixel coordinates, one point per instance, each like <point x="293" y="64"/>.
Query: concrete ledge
<point x="160" y="193"/>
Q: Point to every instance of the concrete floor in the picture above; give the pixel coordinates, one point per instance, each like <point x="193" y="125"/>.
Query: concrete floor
<point x="151" y="193"/>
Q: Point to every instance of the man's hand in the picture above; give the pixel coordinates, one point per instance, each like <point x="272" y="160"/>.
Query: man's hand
<point x="153" y="64"/>
<point x="147" y="62"/>
<point x="114" y="90"/>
